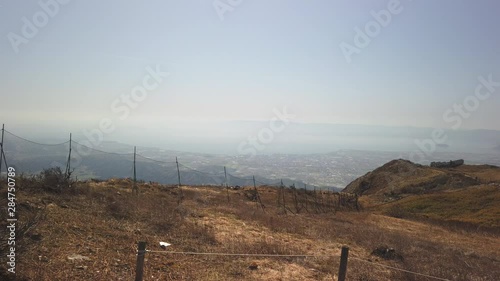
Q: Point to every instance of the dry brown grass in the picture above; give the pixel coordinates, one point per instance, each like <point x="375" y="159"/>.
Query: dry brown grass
<point x="105" y="221"/>
<point x="485" y="173"/>
<point x="475" y="208"/>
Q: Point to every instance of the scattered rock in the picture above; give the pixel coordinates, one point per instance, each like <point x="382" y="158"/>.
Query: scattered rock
<point x="77" y="257"/>
<point x="82" y="267"/>
<point x="253" y="266"/>
<point x="387" y="253"/>
<point x="51" y="206"/>
<point x="43" y="259"/>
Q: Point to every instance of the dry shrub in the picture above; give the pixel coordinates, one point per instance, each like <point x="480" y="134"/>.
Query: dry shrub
<point x="52" y="180"/>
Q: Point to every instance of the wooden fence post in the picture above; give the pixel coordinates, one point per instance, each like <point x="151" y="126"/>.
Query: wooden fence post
<point x="141" y="252"/>
<point x="1" y="150"/>
<point x="225" y="182"/>
<point x="178" y="173"/>
<point x="135" y="189"/>
<point x="343" y="263"/>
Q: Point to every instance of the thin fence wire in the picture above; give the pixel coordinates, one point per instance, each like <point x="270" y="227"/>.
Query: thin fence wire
<point x="194" y="177"/>
<point x="97" y="150"/>
<point x="400" y="269"/>
<point x="211" y="173"/>
<point x="33" y="142"/>
<point x="236" y="254"/>
<point x="292" y="256"/>
<point x="240" y="178"/>
<point x="201" y="172"/>
<point x="29" y="156"/>
<point x="154" y="160"/>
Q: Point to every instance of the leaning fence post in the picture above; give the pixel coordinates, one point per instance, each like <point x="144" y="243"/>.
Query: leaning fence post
<point x="343" y="263"/>
<point x="141" y="252"/>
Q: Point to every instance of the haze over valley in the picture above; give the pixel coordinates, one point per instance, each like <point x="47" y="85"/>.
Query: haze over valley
<point x="315" y="154"/>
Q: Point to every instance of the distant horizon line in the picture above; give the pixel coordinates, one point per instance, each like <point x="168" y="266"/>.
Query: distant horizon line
<point x="291" y="121"/>
<point x="215" y="153"/>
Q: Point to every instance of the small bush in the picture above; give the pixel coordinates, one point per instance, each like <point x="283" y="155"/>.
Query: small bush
<point x="51" y="180"/>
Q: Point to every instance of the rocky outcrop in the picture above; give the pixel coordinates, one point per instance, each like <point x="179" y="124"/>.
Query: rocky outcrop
<point x="385" y="177"/>
<point x="450" y="164"/>
<point x="402" y="177"/>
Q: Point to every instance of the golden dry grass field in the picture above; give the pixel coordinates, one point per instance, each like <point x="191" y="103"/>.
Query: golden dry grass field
<point x="91" y="231"/>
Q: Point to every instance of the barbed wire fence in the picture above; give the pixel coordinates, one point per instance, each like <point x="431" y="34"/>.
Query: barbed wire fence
<point x="342" y="267"/>
<point x="83" y="161"/>
<point x="77" y="158"/>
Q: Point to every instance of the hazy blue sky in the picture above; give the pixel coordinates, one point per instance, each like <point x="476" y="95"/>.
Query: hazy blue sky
<point x="262" y="55"/>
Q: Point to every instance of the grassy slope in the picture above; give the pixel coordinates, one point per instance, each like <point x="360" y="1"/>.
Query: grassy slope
<point x="104" y="221"/>
<point x="479" y="206"/>
<point x="468" y="195"/>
